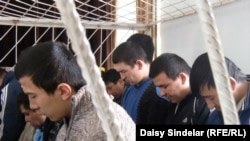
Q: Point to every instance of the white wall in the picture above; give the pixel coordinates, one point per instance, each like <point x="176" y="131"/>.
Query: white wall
<point x="184" y="37"/>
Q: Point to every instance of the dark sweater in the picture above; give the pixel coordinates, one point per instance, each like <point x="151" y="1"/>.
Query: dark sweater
<point x="189" y="111"/>
<point x="152" y="109"/>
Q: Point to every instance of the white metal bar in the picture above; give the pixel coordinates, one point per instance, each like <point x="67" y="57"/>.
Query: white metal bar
<point x="58" y="23"/>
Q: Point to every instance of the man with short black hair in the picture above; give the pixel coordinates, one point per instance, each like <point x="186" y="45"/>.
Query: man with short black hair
<point x="202" y="82"/>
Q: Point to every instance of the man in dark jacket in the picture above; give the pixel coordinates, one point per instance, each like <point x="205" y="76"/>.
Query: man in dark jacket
<point x="203" y="83"/>
<point x="171" y="73"/>
<point x="115" y="86"/>
<point x="11" y="119"/>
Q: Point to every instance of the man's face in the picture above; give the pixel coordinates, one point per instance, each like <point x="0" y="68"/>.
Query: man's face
<point x="169" y="88"/>
<point x="211" y="97"/>
<point x="128" y="74"/>
<point x="34" y="118"/>
<point x="115" y="89"/>
<point x="50" y="105"/>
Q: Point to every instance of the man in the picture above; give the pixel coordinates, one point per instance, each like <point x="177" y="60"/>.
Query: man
<point x="11" y="119"/>
<point x="171" y="74"/>
<point x="115" y="86"/>
<point x="146" y="42"/>
<point x="34" y="118"/>
<point x="140" y="99"/>
<point x="52" y="79"/>
<point x="202" y="82"/>
<point x="45" y="130"/>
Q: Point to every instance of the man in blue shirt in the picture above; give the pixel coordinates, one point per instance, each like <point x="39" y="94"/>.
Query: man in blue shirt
<point x="132" y="60"/>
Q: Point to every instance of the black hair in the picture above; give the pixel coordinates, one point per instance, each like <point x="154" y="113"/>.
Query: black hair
<point x="23" y="100"/>
<point x="201" y="73"/>
<point x="49" y="64"/>
<point x="111" y="75"/>
<point x="145" y="42"/>
<point x="169" y="63"/>
<point x="129" y="52"/>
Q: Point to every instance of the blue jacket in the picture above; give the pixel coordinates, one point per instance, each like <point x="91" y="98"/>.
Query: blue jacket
<point x="216" y="117"/>
<point x="132" y="96"/>
<point x="11" y="119"/>
<point x="144" y="105"/>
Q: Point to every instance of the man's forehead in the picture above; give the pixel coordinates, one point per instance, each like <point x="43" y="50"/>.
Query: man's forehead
<point x="121" y="66"/>
<point x="206" y="91"/>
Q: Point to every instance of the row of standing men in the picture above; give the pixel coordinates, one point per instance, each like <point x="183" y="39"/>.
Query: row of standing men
<point x="165" y="90"/>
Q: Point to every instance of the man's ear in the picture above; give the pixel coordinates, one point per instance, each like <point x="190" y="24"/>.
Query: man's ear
<point x="183" y="77"/>
<point x="139" y="63"/>
<point x="233" y="83"/>
<point x="65" y="91"/>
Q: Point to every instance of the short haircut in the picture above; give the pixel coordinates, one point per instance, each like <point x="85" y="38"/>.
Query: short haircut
<point x="111" y="75"/>
<point x="169" y="63"/>
<point x="49" y="64"/>
<point x="201" y="73"/>
<point x="146" y="42"/>
<point x="128" y="52"/>
<point x="23" y="100"/>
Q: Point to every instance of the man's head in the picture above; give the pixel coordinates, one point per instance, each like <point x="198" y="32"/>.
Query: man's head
<point x="34" y="118"/>
<point x="130" y="60"/>
<point x="145" y="42"/>
<point x="202" y="81"/>
<point x="49" y="75"/>
<point x="114" y="83"/>
<point x="171" y="74"/>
